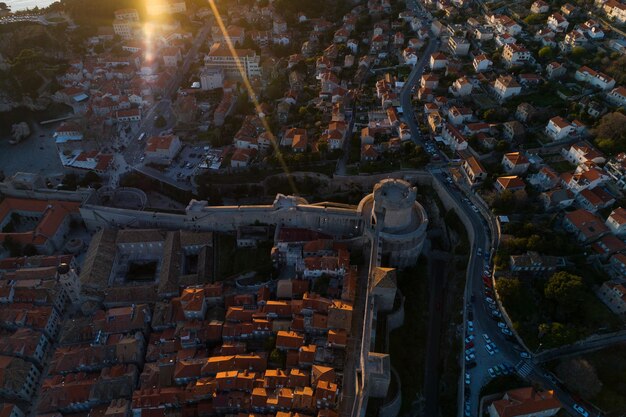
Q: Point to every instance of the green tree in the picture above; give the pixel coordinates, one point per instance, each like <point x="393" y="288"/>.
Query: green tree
<point x="534" y="19"/>
<point x="160" y="122"/>
<point x="278" y="358"/>
<point x="556" y="334"/>
<point x="4" y="6"/>
<point x="578" y="52"/>
<point x="509" y="288"/>
<point x="502" y="146"/>
<point x="546" y="53"/>
<point x="322" y="146"/>
<point x="611" y="133"/>
<point x="566" y="290"/>
<point x="580" y="376"/>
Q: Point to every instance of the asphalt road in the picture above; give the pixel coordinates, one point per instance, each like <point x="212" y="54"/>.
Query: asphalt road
<point x="418" y="69"/>
<point x="134" y="147"/>
<point x="509" y="352"/>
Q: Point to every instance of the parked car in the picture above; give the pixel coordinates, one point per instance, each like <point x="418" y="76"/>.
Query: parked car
<point x="580" y="410"/>
<point x="524" y="355"/>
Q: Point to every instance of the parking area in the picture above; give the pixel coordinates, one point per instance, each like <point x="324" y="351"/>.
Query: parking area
<point x="483" y="357"/>
<point x="189" y="161"/>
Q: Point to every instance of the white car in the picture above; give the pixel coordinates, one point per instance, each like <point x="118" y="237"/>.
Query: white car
<point x="489" y="350"/>
<point x="524" y="355"/>
<point x="580" y="410"/>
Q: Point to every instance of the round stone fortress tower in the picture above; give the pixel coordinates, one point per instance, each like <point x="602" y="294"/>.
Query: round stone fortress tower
<point x="392" y="212"/>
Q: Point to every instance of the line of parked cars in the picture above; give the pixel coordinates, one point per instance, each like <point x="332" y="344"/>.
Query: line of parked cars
<point x="502" y="369"/>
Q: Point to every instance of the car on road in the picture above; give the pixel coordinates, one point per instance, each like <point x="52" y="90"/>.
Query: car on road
<point x="479" y="252"/>
<point x="524" y="355"/>
<point x="502" y="369"/>
<point x="486" y="337"/>
<point x="550" y="377"/>
<point x="491" y="372"/>
<point x="580" y="410"/>
<point x="468" y="379"/>
<point x="475" y="208"/>
<point x="470" y="326"/>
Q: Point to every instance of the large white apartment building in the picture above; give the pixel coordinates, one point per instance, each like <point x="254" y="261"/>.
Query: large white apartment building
<point x="233" y="64"/>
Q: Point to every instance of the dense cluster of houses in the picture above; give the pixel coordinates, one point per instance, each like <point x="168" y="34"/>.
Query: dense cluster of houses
<point x="206" y="349"/>
<point x="455" y="114"/>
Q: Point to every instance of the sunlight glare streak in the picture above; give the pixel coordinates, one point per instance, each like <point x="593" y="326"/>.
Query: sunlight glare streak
<point x="251" y="92"/>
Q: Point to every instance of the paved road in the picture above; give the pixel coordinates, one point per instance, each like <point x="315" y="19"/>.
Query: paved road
<point x="509" y="351"/>
<point x="406" y="93"/>
<point x="134" y="148"/>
